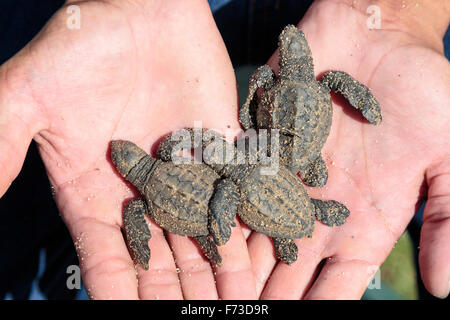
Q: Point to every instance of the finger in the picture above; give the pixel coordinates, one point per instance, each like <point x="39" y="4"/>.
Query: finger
<point x="19" y="122"/>
<point x="161" y="280"/>
<point x="262" y="255"/>
<point x="234" y="279"/>
<point x="277" y="280"/>
<point x="107" y="268"/>
<point x="341" y="279"/>
<point x="434" y="255"/>
<point x="292" y="281"/>
<point x="194" y="270"/>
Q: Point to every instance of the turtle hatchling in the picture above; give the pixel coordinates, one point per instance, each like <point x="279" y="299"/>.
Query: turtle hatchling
<point x="299" y="106"/>
<point x="276" y="205"/>
<point x="181" y="198"/>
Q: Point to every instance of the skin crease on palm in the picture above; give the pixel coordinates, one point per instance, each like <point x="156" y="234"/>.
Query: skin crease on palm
<point x="131" y="72"/>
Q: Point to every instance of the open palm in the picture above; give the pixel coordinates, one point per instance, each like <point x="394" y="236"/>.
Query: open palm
<point x="135" y="71"/>
<point x="379" y="172"/>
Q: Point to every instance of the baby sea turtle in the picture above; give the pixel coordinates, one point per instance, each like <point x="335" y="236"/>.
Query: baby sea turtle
<point x="276" y="205"/>
<point x="183" y="199"/>
<point x="300" y="107"/>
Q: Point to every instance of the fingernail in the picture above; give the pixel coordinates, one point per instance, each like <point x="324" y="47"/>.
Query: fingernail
<point x="445" y="295"/>
<point x="448" y="288"/>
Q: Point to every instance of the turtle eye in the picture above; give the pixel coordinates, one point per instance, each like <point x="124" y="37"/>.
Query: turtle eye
<point x="130" y="157"/>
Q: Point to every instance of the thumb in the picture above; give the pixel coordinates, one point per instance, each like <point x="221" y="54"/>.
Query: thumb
<point x="18" y="118"/>
<point x="434" y="255"/>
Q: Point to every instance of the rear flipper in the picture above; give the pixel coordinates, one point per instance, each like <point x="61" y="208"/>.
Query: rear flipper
<point x="209" y="249"/>
<point x="192" y="138"/>
<point x="223" y="208"/>
<point x="356" y="93"/>
<point x="316" y="174"/>
<point x="285" y="249"/>
<point x="137" y="232"/>
<point x="331" y="213"/>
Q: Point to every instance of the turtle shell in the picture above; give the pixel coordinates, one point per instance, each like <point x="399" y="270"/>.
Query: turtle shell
<point x="179" y="196"/>
<point x="276" y="205"/>
<point x="300" y="108"/>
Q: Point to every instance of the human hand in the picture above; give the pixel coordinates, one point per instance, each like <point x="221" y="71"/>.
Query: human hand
<point x="135" y="70"/>
<point x="380" y="173"/>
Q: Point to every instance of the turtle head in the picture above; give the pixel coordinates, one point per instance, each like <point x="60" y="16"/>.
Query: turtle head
<point x="295" y="54"/>
<point x="293" y="44"/>
<point x="132" y="162"/>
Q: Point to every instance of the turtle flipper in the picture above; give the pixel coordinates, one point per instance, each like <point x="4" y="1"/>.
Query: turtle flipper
<point x="263" y="76"/>
<point x="357" y="94"/>
<point x="330" y="212"/>
<point x="223" y="206"/>
<point x="209" y="249"/>
<point x="316" y="174"/>
<point x="137" y="232"/>
<point x="286" y="250"/>
<point x="197" y="138"/>
<point x="169" y="146"/>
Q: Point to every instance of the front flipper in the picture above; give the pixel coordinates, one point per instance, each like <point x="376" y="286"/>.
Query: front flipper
<point x="209" y="249"/>
<point x="355" y="92"/>
<point x="263" y="76"/>
<point x="223" y="206"/>
<point x="286" y="250"/>
<point x="331" y="213"/>
<point x="137" y="232"/>
<point x="169" y="146"/>
<point x="316" y="174"/>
